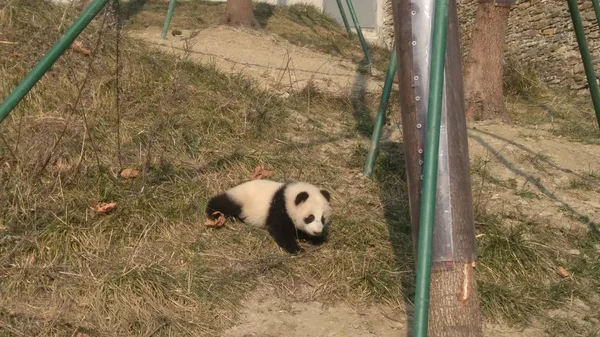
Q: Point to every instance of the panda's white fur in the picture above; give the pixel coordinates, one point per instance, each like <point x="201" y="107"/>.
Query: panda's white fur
<point x="255" y="197"/>
<point x="287" y="210"/>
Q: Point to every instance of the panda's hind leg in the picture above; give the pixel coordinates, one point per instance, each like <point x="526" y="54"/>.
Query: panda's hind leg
<point x="224" y="204"/>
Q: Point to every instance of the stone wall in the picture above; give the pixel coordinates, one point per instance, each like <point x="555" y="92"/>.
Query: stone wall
<point x="540" y="36"/>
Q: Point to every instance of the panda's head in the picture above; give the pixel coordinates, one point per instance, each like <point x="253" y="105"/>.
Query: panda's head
<point x="308" y="207"/>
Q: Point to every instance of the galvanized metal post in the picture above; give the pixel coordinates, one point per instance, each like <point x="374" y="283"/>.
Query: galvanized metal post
<point x="50" y="57"/>
<point x="383" y="106"/>
<point x="344" y="18"/>
<point x="359" y="32"/>
<point x="168" y="19"/>
<point x="585" y="56"/>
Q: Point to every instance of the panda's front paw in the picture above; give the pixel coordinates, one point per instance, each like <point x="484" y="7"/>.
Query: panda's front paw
<point x="296" y="250"/>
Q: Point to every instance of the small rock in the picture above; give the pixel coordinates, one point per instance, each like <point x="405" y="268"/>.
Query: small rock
<point x="575" y="252"/>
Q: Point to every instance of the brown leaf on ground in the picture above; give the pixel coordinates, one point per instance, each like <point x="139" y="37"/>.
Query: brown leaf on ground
<point x="218" y="222"/>
<point x="79" y="48"/>
<point x="563" y="272"/>
<point x="63" y="165"/>
<point x="260" y="173"/>
<point x="104" y="207"/>
<point x="129" y="173"/>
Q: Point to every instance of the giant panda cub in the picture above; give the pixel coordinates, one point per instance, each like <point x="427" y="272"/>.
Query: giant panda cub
<point x="290" y="211"/>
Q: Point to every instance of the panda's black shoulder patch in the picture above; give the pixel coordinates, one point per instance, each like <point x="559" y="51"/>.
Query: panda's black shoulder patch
<point x="280" y="225"/>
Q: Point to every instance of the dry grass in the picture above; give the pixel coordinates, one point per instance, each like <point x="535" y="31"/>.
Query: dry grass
<point x="531" y="102"/>
<point x="150" y="267"/>
<point x="519" y="258"/>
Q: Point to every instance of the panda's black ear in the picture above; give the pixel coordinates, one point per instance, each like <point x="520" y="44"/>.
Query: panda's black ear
<point x="301" y="197"/>
<point x="326" y="195"/>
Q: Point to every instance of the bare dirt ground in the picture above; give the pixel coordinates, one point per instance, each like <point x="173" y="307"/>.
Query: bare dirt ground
<point x="264" y="315"/>
<point x="537" y="162"/>
<point x="271" y="61"/>
<point x="542" y="166"/>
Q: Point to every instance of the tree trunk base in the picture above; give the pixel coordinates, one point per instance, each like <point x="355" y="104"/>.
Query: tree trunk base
<point x="240" y="13"/>
<point x="483" y="78"/>
<point x="454" y="308"/>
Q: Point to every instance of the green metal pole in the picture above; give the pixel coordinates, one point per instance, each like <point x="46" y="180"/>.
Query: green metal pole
<point x="51" y="56"/>
<point x="344" y="18"/>
<point x="597" y="10"/>
<point x="361" y="37"/>
<point x="383" y="106"/>
<point x="168" y="19"/>
<point x="430" y="170"/>
<point x="585" y="56"/>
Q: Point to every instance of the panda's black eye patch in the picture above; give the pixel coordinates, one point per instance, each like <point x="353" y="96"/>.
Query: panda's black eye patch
<point x="309" y="219"/>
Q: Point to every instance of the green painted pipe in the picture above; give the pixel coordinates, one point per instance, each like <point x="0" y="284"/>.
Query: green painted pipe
<point x="344" y="18"/>
<point x="430" y="170"/>
<point x="50" y="57"/>
<point x="597" y="10"/>
<point x="361" y="37"/>
<point x="168" y="19"/>
<point x="383" y="106"/>
<point x="585" y="56"/>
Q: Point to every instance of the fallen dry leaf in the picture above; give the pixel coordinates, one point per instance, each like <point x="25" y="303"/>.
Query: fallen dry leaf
<point x="62" y="165"/>
<point x="129" y="173"/>
<point x="104" y="207"/>
<point x="218" y="222"/>
<point x="260" y="173"/>
<point x="78" y="47"/>
<point x="563" y="272"/>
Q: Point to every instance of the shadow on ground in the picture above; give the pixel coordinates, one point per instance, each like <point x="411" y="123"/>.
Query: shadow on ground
<point x="593" y="227"/>
<point x="389" y="174"/>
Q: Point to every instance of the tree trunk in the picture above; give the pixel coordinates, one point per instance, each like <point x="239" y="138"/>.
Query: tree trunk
<point x="240" y="13"/>
<point x="483" y="78"/>
<point x="454" y="303"/>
